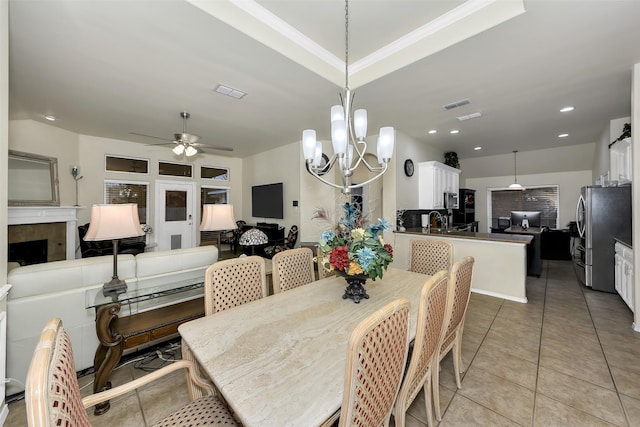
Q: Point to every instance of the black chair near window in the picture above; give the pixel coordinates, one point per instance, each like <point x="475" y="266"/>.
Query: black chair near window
<point x="133" y="245"/>
<point x="289" y="243"/>
<point x="235" y="242"/>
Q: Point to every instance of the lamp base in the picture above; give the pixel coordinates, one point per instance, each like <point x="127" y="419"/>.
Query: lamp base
<point x="114" y="287"/>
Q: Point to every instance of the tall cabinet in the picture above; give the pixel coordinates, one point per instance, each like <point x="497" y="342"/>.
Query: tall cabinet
<point x="466" y="214"/>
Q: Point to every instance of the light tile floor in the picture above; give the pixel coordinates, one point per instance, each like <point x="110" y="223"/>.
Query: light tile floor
<point x="567" y="358"/>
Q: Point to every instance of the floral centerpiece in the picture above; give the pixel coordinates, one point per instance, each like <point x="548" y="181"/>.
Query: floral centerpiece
<point x="353" y="249"/>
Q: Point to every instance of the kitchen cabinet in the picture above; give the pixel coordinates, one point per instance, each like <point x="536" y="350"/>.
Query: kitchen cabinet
<point x="624" y="273"/>
<point x="620" y="161"/>
<point x="435" y="179"/>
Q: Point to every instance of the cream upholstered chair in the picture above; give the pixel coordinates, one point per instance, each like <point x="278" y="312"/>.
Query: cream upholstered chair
<point x="292" y="268"/>
<point x="430" y="256"/>
<point x="53" y="398"/>
<point x="429" y="334"/>
<point x="376" y="356"/>
<point x="458" y="301"/>
<point x="234" y="282"/>
<point x="322" y="272"/>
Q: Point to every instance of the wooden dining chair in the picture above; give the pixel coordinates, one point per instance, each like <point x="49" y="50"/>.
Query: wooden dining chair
<point x="292" y="268"/>
<point x="234" y="282"/>
<point x="376" y="356"/>
<point x="52" y="393"/>
<point x="429" y="333"/>
<point x="429" y="256"/>
<point x="460" y="282"/>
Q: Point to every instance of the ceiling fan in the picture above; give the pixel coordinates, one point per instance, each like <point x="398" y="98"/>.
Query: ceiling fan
<point x="185" y="143"/>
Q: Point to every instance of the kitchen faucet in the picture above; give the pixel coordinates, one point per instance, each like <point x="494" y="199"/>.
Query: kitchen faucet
<point x="438" y="216"/>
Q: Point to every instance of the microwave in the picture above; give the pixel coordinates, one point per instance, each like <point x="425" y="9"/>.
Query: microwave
<point x="451" y="200"/>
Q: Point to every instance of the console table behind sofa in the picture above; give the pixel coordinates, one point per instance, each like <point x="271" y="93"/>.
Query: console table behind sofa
<point x="59" y="289"/>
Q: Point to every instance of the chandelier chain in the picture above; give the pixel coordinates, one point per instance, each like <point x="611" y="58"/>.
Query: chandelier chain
<point x="346" y="44"/>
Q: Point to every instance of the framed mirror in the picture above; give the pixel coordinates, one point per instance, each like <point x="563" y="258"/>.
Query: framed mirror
<point x="32" y="180"/>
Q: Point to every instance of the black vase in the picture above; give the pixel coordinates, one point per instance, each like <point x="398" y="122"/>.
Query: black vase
<point x="355" y="289"/>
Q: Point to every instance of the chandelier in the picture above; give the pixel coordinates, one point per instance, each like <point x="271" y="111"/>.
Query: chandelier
<point x="347" y="138"/>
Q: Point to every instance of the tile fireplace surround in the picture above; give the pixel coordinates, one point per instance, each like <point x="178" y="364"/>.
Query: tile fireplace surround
<point x="23" y="215"/>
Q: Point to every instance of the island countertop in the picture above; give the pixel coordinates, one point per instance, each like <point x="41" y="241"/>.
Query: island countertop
<point x="492" y="237"/>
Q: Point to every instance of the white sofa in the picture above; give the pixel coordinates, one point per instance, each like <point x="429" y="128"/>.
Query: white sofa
<point x="60" y="289"/>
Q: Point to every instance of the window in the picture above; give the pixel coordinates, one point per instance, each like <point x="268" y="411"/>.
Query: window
<point x="128" y="192"/>
<point x="126" y="164"/>
<point x="217" y="174"/>
<point x="543" y="199"/>
<point x="175" y="169"/>
<point x="212" y="196"/>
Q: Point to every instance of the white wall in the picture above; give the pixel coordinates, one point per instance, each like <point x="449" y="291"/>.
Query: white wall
<point x="280" y="164"/>
<point x="407" y="187"/>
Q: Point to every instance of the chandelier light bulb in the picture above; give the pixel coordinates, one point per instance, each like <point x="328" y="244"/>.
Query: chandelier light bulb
<point x="337" y="113"/>
<point x="339" y="136"/>
<point x="386" y="142"/>
<point x="309" y="143"/>
<point x="360" y="123"/>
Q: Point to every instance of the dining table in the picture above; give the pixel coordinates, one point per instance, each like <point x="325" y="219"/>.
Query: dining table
<point x="280" y="360"/>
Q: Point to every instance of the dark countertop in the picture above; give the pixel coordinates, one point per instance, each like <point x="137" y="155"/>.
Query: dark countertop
<point x="491" y="237"/>
<point x="514" y="229"/>
<point x="624" y="242"/>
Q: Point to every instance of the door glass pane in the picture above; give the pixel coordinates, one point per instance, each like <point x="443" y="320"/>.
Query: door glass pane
<point x="175" y="206"/>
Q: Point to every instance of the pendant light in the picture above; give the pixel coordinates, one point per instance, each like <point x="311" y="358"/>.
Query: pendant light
<point x="515" y="185"/>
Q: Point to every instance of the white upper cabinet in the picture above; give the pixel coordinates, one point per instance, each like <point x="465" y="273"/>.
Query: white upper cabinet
<point x="435" y="179"/>
<point x="620" y="161"/>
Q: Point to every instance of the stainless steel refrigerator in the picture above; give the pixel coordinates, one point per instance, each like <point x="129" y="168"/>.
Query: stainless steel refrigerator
<point x="602" y="214"/>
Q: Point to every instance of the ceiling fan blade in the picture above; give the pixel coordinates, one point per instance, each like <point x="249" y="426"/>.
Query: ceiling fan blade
<point x="160" y="144"/>
<point x="150" y="136"/>
<point x="212" y="147"/>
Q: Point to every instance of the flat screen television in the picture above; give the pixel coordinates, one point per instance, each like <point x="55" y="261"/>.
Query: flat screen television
<point x="532" y="216"/>
<point x="267" y="201"/>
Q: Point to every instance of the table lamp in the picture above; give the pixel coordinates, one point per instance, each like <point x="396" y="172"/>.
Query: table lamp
<point x="114" y="222"/>
<point x="218" y="217"/>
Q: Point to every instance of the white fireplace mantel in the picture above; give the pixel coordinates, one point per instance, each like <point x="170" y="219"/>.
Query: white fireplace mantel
<point x="19" y="215"/>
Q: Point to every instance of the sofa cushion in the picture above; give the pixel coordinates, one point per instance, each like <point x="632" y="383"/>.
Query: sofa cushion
<point x="60" y="276"/>
<point x="171" y="261"/>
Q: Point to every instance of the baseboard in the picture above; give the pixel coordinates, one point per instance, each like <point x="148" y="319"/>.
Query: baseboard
<point x="4" y="413"/>
<point x="499" y="295"/>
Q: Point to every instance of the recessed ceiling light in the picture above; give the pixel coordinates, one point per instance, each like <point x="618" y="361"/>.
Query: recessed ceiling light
<point x="454" y="131"/>
<point x="50" y="117"/>
<point x="563" y="135"/>
<point x="567" y="109"/>
<point x="477" y="148"/>
<point x="432" y="131"/>
<point x="229" y="91"/>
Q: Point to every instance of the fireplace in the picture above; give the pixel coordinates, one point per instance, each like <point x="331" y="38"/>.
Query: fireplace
<point x="55" y="225"/>
<point x="27" y="253"/>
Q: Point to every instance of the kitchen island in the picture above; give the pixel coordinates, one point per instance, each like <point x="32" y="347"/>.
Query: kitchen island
<point x="500" y="268"/>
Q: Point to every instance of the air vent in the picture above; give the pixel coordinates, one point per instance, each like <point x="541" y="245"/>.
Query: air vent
<point x="457" y="104"/>
<point x="233" y="93"/>
<point x="470" y="116"/>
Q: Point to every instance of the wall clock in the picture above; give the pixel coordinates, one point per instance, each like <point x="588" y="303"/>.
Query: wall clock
<point x="408" y="167"/>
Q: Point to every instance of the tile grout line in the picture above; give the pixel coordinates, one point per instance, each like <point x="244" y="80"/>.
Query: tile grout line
<point x="544" y="303"/>
<point x="604" y="354"/>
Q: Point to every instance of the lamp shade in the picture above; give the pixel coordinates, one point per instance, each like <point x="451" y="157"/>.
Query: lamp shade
<point x="110" y="222"/>
<point x="178" y="149"/>
<point x="190" y="151"/>
<point x="386" y="142"/>
<point x="217" y="217"/>
<point x="309" y="143"/>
